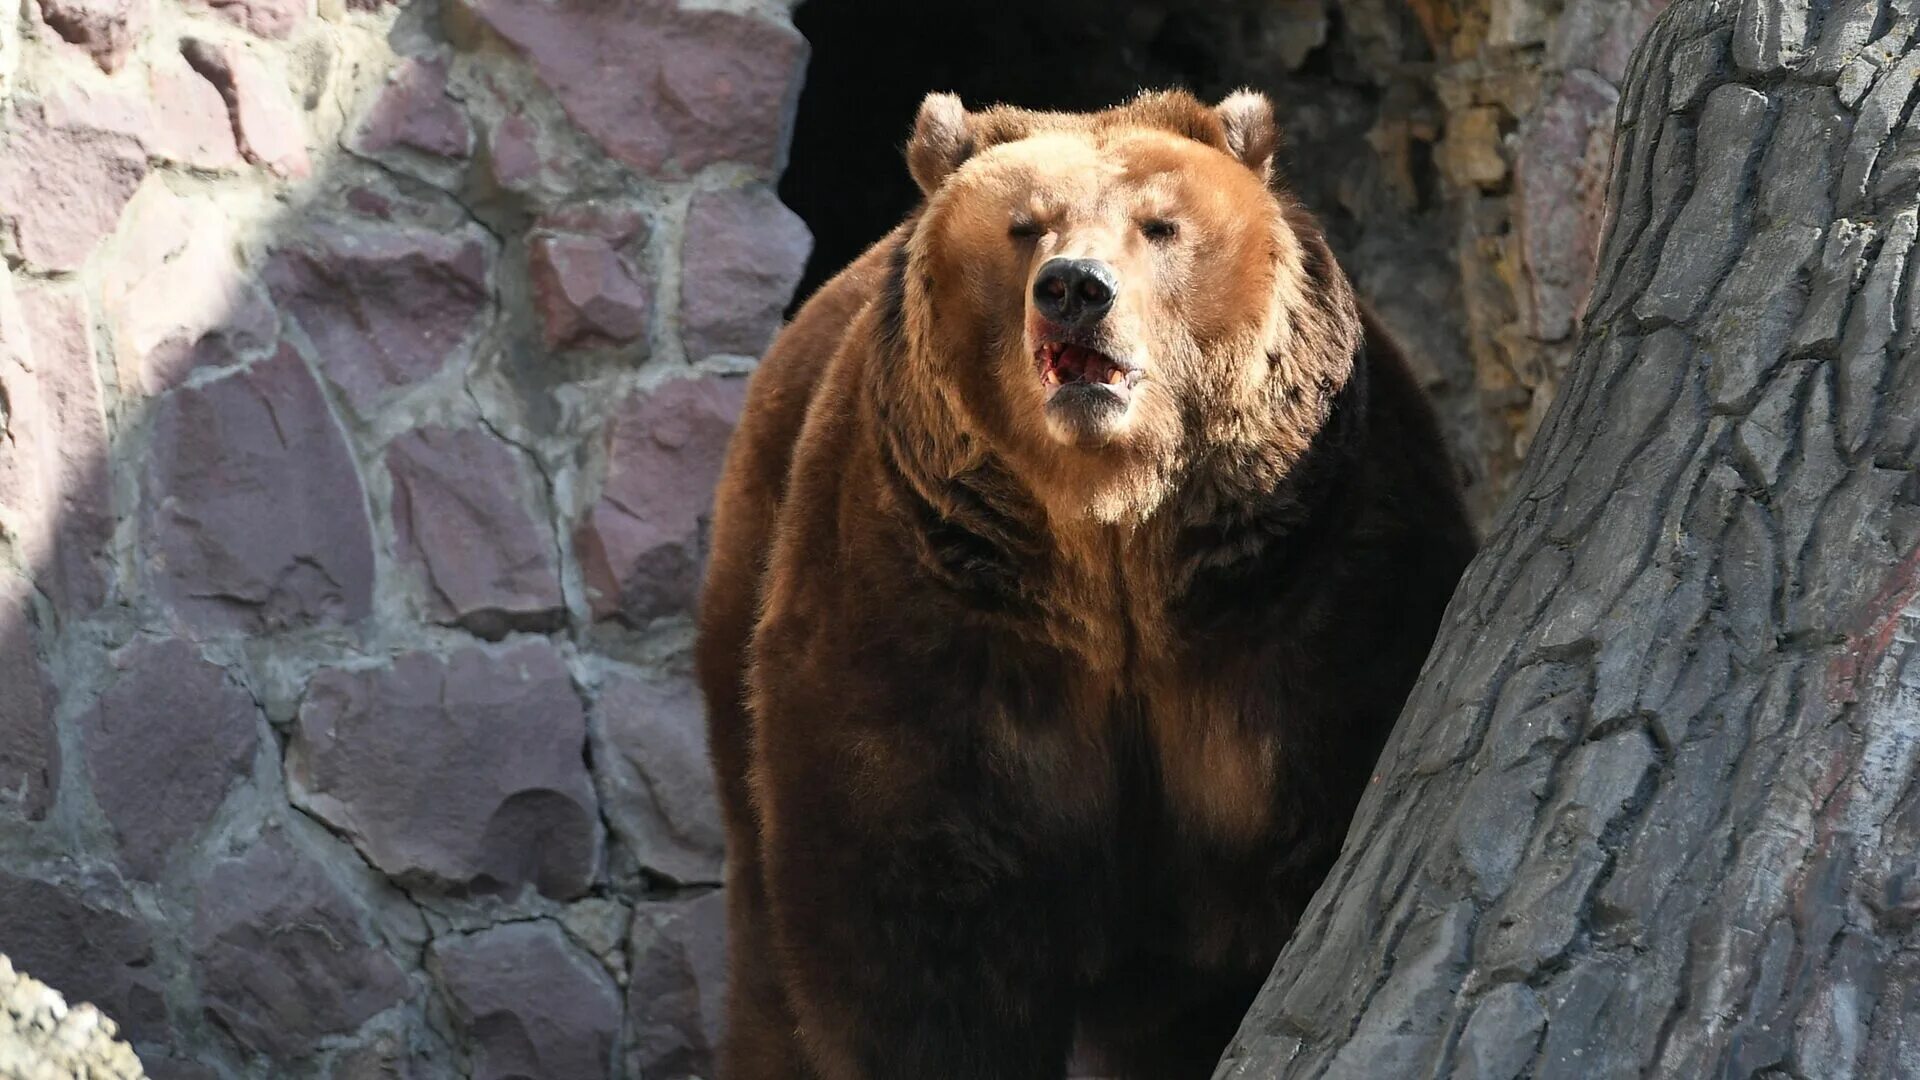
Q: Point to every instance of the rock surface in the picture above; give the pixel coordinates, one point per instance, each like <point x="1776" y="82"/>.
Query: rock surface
<point x="29" y="742"/>
<point x="461" y="519"/>
<point x="177" y="298"/>
<point x="284" y="954"/>
<point x="80" y="934"/>
<point x="220" y="451"/>
<point x="663" y="87"/>
<point x="465" y="775"/>
<point x="529" y="1003"/>
<point x="745" y="252"/>
<point x="642" y="545"/>
<point x="585" y="292"/>
<point x="167" y="739"/>
<point x="650" y="743"/>
<point x="415" y="113"/>
<point x="62" y="188"/>
<point x="266" y="123"/>
<point x="386" y="308"/>
<point x="676" y="994"/>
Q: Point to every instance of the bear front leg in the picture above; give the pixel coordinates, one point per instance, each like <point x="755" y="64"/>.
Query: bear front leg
<point x="933" y="949"/>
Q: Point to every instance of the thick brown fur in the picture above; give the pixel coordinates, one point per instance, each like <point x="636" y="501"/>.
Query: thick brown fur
<point x="1028" y="732"/>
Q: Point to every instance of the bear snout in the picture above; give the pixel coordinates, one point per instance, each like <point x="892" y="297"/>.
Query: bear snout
<point x="1075" y="293"/>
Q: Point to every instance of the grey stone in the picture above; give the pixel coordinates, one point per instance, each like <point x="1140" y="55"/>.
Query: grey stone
<point x="464" y="774"/>
<point x="1701" y="241"/>
<point x="1540" y="914"/>
<point x="529" y="1004"/>
<point x="1399" y="1033"/>
<point x="167" y="739"/>
<point x="1501" y="1035"/>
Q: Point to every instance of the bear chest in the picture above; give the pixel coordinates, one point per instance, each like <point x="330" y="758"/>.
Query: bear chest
<point x="1186" y="755"/>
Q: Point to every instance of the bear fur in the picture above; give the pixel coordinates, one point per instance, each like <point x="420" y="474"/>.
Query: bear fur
<point x="1045" y="664"/>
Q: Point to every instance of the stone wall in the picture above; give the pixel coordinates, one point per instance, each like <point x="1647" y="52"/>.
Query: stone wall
<point x="364" y="371"/>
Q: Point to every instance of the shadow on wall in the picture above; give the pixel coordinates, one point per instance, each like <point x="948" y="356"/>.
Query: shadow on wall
<point x="364" y="374"/>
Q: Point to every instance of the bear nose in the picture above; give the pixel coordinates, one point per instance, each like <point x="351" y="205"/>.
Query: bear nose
<point x="1075" y="292"/>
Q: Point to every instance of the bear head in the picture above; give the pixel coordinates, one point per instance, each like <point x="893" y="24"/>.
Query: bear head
<point x="1118" y="305"/>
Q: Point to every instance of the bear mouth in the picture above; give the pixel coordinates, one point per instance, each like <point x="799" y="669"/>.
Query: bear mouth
<point x="1069" y="364"/>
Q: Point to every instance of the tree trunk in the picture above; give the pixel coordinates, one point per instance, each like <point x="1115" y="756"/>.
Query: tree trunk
<point x="1653" y="806"/>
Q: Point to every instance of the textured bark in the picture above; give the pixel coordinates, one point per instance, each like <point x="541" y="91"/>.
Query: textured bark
<point x="1654" y="807"/>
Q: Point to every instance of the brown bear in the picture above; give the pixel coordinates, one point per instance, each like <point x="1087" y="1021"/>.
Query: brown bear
<point x="1075" y="553"/>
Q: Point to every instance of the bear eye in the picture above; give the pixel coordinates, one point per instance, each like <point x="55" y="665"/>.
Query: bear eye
<point x="1159" y="229"/>
<point x="1024" y="229"/>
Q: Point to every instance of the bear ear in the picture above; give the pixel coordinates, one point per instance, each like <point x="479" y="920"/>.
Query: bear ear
<point x="942" y="140"/>
<point x="1252" y="134"/>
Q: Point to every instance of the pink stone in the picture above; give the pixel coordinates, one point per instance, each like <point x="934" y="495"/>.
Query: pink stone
<point x="70" y="441"/>
<point x="285" y="956"/>
<point x="267" y="18"/>
<point x="76" y="933"/>
<point x="191" y="124"/>
<point x="620" y="226"/>
<point x="650" y="749"/>
<point x="29" y="745"/>
<point x="677" y="986"/>
<point x="663" y="87"/>
<point x="641" y="545"/>
<point x="176" y="297"/>
<point x="529" y="1003"/>
<point x="167" y="739"/>
<point x="585" y="292"/>
<point x="19" y="400"/>
<point x="77" y="106"/>
<point x="743" y="254"/>
<point x="513" y="154"/>
<point x="415" y="113"/>
<point x="464" y="774"/>
<point x="461" y="519"/>
<point x="385" y="308"/>
<point x="107" y="29"/>
<point x="266" y="122"/>
<point x="1599" y="35"/>
<point x="62" y="189"/>
<point x="219" y="454"/>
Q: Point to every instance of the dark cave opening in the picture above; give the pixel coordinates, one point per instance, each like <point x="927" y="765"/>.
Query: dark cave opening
<point x="874" y="60"/>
